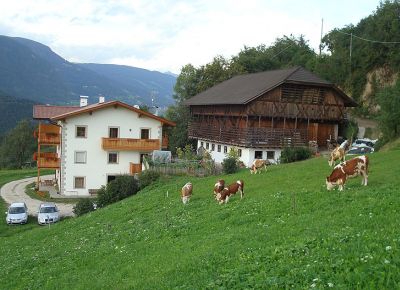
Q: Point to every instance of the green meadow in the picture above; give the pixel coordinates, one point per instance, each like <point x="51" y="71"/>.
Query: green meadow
<point x="287" y="232"/>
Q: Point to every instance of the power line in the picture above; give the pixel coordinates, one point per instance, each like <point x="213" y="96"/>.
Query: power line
<point x="369" y="40"/>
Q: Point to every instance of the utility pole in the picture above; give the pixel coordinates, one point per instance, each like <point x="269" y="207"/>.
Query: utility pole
<point x="351" y="47"/>
<point x="320" y="40"/>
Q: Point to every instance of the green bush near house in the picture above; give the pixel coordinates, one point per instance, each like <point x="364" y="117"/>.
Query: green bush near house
<point x="118" y="189"/>
<point x="83" y="206"/>
<point x="293" y="154"/>
<point x="147" y="177"/>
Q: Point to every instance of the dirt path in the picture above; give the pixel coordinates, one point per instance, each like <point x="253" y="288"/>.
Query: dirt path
<point x="15" y="192"/>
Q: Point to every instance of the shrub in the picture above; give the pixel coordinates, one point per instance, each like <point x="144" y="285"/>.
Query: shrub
<point x="147" y="177"/>
<point x="118" y="189"/>
<point x="83" y="206"/>
<point x="230" y="165"/>
<point x="292" y="154"/>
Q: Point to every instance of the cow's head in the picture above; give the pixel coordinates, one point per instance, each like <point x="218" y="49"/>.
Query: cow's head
<point x="330" y="161"/>
<point x="329" y="184"/>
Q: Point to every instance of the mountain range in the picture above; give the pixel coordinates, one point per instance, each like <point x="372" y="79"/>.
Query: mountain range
<point x="31" y="70"/>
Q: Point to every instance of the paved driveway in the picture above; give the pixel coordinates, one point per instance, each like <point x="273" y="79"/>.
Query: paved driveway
<point x="15" y="192"/>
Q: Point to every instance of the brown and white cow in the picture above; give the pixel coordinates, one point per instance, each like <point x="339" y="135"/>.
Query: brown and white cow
<point x="258" y="165"/>
<point x="348" y="169"/>
<point x="186" y="192"/>
<point x="339" y="153"/>
<point x="227" y="192"/>
<point x="218" y="187"/>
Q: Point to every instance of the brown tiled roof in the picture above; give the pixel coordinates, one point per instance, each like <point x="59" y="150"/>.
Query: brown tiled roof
<point x="243" y="89"/>
<point x="98" y="106"/>
<point x="42" y="112"/>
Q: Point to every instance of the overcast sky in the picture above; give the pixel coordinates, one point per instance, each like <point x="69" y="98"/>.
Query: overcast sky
<point x="166" y="35"/>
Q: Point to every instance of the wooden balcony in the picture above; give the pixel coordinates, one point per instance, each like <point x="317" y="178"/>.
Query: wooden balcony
<point x="48" y="134"/>
<point x="47" y="160"/>
<point x="250" y="137"/>
<point x="128" y="144"/>
<point x="134" y="168"/>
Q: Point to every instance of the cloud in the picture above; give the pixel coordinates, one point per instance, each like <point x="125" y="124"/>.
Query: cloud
<point x="165" y="35"/>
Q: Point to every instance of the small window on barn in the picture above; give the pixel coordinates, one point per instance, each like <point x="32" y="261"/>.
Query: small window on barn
<point x="212" y="147"/>
<point x="240" y="152"/>
<point x="207" y="145"/>
<point x="225" y="149"/>
<point x="270" y="154"/>
<point x="219" y="148"/>
<point x="258" y="155"/>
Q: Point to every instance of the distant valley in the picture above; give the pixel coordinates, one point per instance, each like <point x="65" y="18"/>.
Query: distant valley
<point x="32" y="72"/>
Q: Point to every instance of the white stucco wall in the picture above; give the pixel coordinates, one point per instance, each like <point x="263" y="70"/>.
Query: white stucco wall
<point x="96" y="169"/>
<point x="247" y="153"/>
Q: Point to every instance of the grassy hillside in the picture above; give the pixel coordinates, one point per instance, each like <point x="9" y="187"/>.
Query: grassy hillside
<point x="343" y="240"/>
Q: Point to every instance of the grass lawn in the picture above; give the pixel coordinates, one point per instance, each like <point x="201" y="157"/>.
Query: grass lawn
<point x="287" y="232"/>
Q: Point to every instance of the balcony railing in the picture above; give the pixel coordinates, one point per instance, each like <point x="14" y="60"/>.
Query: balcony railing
<point x="47" y="160"/>
<point x="48" y="134"/>
<point x="251" y="137"/>
<point x="128" y="144"/>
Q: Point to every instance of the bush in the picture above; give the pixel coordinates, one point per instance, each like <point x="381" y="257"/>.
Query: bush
<point x="147" y="177"/>
<point x="292" y="154"/>
<point x="83" y="206"/>
<point x="230" y="165"/>
<point x="118" y="189"/>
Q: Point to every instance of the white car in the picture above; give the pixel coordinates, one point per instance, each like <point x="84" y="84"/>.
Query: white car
<point x="48" y="213"/>
<point x="17" y="213"/>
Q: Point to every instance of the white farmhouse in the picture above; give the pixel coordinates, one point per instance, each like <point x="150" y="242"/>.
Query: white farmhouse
<point x="95" y="143"/>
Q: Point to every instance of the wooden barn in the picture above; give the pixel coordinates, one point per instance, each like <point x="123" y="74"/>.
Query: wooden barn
<point x="263" y="112"/>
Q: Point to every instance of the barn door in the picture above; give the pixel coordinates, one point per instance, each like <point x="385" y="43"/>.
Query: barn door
<point x="313" y="132"/>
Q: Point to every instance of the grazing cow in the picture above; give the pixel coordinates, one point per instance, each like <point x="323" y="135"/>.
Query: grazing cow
<point x="258" y="165"/>
<point x="187" y="192"/>
<point x="218" y="187"/>
<point x="225" y="194"/>
<point x="351" y="168"/>
<point x="339" y="153"/>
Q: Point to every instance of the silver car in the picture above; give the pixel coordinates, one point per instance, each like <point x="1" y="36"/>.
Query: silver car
<point x="17" y="213"/>
<point x="48" y="213"/>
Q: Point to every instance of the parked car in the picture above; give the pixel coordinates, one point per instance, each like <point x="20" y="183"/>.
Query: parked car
<point x="48" y="213"/>
<point x="360" y="150"/>
<point x="365" y="141"/>
<point x="17" y="213"/>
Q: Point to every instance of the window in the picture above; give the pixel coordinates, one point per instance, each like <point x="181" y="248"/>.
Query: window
<point x="111" y="178"/>
<point x="219" y="148"/>
<point x="240" y="152"/>
<point x="81" y="132"/>
<point x="145" y="134"/>
<point x="201" y="144"/>
<point x="79" y="182"/>
<point x="80" y="156"/>
<point x="258" y="155"/>
<point x="225" y="149"/>
<point x="113" y="132"/>
<point x="207" y="145"/>
<point x="112" y="157"/>
<point x="212" y="147"/>
<point x="270" y="154"/>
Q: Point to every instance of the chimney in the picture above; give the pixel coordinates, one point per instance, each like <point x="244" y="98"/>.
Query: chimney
<point x="101" y="99"/>
<point x="136" y="106"/>
<point x="84" y="101"/>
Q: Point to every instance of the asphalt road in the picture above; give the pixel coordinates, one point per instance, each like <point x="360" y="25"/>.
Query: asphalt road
<point x="15" y="192"/>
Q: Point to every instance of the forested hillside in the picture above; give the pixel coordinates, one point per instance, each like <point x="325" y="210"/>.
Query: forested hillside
<point x="13" y="110"/>
<point x="31" y="70"/>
